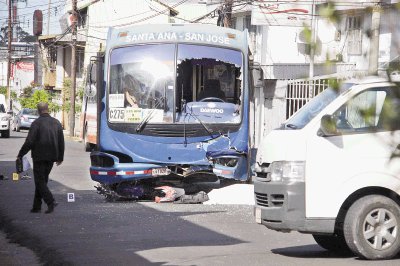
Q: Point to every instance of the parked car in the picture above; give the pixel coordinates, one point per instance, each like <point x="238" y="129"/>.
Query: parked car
<point x="24" y="119"/>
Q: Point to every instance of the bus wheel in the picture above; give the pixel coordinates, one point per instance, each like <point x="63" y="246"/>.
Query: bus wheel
<point x="334" y="243"/>
<point x="372" y="227"/>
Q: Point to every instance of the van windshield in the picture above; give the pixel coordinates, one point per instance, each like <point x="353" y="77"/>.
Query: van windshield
<point x="301" y="118"/>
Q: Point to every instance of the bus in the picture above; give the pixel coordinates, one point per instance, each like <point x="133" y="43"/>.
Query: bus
<point x="173" y="108"/>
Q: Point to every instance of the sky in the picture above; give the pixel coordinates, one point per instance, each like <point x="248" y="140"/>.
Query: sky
<point x="25" y="14"/>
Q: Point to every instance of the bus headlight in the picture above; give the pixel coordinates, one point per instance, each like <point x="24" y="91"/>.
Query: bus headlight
<point x="287" y="170"/>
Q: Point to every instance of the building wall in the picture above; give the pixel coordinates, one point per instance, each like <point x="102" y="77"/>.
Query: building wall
<point x="119" y="13"/>
<point x="22" y="77"/>
<point x="60" y="68"/>
<point x="3" y="72"/>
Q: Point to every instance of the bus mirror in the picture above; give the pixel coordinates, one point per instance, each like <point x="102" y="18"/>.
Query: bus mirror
<point x="258" y="78"/>
<point x="93" y="73"/>
<point x="90" y="90"/>
<point x="328" y="126"/>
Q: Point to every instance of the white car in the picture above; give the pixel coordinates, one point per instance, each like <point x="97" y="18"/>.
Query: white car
<point x="4" y="119"/>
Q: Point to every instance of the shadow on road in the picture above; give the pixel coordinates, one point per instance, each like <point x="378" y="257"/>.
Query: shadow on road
<point x="312" y="251"/>
<point x="8" y="167"/>
<point x="308" y="251"/>
<point x="17" y="137"/>
<point x="92" y="231"/>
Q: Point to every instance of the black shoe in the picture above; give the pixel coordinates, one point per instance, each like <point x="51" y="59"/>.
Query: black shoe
<point x="51" y="207"/>
<point x="35" y="210"/>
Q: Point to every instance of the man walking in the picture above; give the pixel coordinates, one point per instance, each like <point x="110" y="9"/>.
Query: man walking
<point x="46" y="142"/>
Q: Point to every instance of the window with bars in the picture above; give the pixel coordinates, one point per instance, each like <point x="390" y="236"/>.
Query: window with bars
<point x="52" y="57"/>
<point x="354" y="35"/>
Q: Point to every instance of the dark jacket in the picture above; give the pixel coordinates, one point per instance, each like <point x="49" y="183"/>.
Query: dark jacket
<point x="45" y="140"/>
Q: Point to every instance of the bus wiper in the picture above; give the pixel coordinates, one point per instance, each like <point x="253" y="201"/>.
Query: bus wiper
<point x="209" y="131"/>
<point x="144" y="122"/>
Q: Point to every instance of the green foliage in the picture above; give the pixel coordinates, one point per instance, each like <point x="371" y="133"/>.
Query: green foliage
<point x="335" y="84"/>
<point x="67" y="84"/>
<point x="3" y="90"/>
<point x="328" y="11"/>
<point x="66" y="91"/>
<point x="32" y="101"/>
<point x="38" y="96"/>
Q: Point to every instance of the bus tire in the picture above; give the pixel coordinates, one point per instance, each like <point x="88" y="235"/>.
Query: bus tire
<point x="372" y="227"/>
<point x="334" y="243"/>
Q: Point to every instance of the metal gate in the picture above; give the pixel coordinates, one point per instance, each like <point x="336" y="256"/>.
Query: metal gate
<point x="300" y="91"/>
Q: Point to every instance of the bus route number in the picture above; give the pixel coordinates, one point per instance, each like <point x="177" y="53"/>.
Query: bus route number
<point x="117" y="114"/>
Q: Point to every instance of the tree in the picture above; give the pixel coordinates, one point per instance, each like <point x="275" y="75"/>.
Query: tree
<point x="30" y="99"/>
<point x="23" y="36"/>
<point x="3" y="90"/>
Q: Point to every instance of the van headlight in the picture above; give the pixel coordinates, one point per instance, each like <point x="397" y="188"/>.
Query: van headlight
<point x="287" y="171"/>
<point x="4" y="118"/>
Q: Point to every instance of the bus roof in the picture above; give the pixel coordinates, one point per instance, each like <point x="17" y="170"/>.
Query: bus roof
<point x="174" y="33"/>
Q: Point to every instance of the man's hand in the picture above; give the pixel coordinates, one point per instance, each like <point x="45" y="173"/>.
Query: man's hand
<point x="58" y="163"/>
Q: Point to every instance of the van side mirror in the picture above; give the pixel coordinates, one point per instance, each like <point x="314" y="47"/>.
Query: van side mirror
<point x="92" y="72"/>
<point x="328" y="126"/>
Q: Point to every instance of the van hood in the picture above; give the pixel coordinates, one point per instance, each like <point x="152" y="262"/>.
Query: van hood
<point x="283" y="145"/>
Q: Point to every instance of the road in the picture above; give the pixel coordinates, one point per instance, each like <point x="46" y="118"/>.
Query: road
<point x="91" y="231"/>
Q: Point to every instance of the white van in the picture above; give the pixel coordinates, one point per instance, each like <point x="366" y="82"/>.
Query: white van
<point x="333" y="170"/>
<point x="4" y="118"/>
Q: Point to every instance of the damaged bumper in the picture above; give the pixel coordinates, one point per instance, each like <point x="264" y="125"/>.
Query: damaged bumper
<point x="229" y="163"/>
<point x="107" y="169"/>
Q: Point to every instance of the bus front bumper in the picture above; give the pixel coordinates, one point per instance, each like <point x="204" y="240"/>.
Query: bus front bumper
<point x="281" y="206"/>
<point x="107" y="169"/>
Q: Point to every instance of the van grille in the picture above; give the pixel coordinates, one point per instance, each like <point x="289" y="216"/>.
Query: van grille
<point x="273" y="200"/>
<point x="262" y="199"/>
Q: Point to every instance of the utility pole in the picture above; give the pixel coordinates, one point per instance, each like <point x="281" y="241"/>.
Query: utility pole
<point x="9" y="54"/>
<point x="73" y="69"/>
<point x="228" y="13"/>
<point x="48" y="18"/>
<point x="312" y="42"/>
<point x="374" y="40"/>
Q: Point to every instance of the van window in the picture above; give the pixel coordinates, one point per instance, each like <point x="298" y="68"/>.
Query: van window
<point x="372" y="110"/>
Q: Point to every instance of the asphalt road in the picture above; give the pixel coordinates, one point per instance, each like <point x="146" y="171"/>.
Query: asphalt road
<point x="91" y="231"/>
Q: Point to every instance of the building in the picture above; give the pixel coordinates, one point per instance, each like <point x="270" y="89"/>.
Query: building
<point x="94" y="19"/>
<point x="280" y="35"/>
<point x="22" y="65"/>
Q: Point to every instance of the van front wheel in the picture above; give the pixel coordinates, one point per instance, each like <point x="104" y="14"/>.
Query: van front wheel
<point x="372" y="227"/>
<point x="334" y="243"/>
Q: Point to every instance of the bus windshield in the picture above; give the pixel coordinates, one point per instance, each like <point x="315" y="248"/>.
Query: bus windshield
<point x="175" y="83"/>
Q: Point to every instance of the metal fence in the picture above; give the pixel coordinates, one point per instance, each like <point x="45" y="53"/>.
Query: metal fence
<point x="300" y="91"/>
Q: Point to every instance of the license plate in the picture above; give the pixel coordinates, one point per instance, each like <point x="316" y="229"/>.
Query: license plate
<point x="258" y="215"/>
<point x="160" y="171"/>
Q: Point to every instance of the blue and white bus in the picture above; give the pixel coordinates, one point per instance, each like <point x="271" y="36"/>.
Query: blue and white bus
<point x="173" y="109"/>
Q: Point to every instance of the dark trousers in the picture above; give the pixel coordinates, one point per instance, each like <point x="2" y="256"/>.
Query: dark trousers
<point x="41" y="171"/>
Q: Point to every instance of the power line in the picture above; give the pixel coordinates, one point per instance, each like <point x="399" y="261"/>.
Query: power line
<point x="29" y="7"/>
